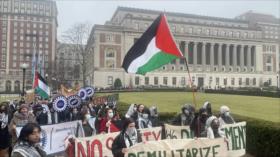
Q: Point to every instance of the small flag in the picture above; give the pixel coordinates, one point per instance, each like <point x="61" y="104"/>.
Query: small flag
<point x="155" y="48"/>
<point x="41" y="87"/>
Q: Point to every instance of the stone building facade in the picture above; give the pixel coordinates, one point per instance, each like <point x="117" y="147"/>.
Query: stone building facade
<point x="221" y="52"/>
<point x="26" y="26"/>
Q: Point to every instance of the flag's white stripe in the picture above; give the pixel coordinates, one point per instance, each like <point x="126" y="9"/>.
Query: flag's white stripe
<point x="44" y="87"/>
<point x="145" y="57"/>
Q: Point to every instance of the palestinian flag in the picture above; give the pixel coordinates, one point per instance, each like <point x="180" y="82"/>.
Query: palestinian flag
<point x="41" y="87"/>
<point x="155" y="48"/>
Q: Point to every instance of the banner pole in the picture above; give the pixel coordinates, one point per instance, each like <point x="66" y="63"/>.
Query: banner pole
<point x="191" y="82"/>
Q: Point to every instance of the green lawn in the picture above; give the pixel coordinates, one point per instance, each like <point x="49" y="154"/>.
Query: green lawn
<point x="251" y="106"/>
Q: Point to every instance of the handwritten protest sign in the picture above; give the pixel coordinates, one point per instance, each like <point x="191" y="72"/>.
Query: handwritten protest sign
<point x="180" y="148"/>
<point x="100" y="145"/>
<point x="53" y="136"/>
<point x="178" y="132"/>
<point x="108" y="98"/>
<point x="236" y="135"/>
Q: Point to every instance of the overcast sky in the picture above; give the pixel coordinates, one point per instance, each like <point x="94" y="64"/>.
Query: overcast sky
<point x="99" y="11"/>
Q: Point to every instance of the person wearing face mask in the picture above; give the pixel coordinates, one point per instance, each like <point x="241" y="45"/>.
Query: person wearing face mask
<point x="213" y="128"/>
<point x="40" y="114"/>
<point x="4" y="133"/>
<point x="144" y="120"/>
<point x="186" y="117"/>
<point x="88" y="130"/>
<point x="28" y="142"/>
<point x="108" y="123"/>
<point x="128" y="137"/>
<point x="74" y="115"/>
<point x="21" y="117"/>
<point x="199" y="122"/>
<point x="225" y="117"/>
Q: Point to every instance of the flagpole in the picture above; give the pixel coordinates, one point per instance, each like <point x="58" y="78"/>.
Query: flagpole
<point x="191" y="82"/>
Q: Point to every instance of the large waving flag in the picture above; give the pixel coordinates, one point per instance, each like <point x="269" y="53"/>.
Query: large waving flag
<point x="155" y="48"/>
<point x="41" y="87"/>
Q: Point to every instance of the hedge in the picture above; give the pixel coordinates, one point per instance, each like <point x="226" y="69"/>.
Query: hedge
<point x="262" y="137"/>
<point x="275" y="94"/>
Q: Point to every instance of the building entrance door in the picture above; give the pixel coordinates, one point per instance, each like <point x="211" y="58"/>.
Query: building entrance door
<point x="200" y="82"/>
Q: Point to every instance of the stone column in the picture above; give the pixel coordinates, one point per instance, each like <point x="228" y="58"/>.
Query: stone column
<point x="249" y="58"/>
<point x="203" y="56"/>
<point x="234" y="51"/>
<point x="195" y="54"/>
<point x="212" y="54"/>
<point x="227" y="56"/>
<point x="187" y="51"/>
<point x="220" y="56"/>
<point x="255" y="59"/>
<point x="241" y="58"/>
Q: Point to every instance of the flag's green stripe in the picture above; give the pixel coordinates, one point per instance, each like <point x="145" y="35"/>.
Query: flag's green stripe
<point x="41" y="92"/>
<point x="155" y="62"/>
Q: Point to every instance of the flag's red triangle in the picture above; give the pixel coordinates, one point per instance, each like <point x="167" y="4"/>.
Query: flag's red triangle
<point x="165" y="40"/>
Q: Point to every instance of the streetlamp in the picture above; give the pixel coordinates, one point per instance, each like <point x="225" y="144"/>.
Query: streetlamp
<point x="23" y="66"/>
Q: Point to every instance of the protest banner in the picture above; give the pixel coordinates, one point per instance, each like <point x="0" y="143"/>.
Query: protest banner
<point x="100" y="145"/>
<point x="180" y="148"/>
<point x="236" y="135"/>
<point x="178" y="132"/>
<point x="53" y="136"/>
<point x="109" y="99"/>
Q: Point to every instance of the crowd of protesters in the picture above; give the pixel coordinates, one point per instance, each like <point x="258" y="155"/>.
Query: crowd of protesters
<point x="97" y="119"/>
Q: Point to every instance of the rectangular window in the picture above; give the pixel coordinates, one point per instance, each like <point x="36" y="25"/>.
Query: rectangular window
<point x="217" y="81"/>
<point x="225" y="81"/>
<point x="174" y="80"/>
<point x="155" y="80"/>
<point x="137" y="80"/>
<point x="240" y="81"/>
<point x="183" y="81"/>
<point x="110" y="80"/>
<point x="232" y="81"/>
<point x="254" y="81"/>
<point x="165" y="80"/>
<point x="146" y="80"/>
<point x="247" y="81"/>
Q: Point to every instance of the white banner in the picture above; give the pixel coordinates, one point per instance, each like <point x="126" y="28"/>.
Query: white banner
<point x="180" y="148"/>
<point x="236" y="135"/>
<point x="100" y="145"/>
<point x="178" y="132"/>
<point x="53" y="136"/>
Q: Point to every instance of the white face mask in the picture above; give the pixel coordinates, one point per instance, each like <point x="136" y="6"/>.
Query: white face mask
<point x="227" y="114"/>
<point x="130" y="131"/>
<point x="111" y="115"/>
<point x="186" y="112"/>
<point x="145" y="116"/>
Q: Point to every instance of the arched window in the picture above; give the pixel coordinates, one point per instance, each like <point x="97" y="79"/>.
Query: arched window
<point x="17" y="86"/>
<point x="8" y="86"/>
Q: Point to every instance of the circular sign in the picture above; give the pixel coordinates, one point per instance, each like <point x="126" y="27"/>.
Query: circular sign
<point x="90" y="91"/>
<point x="74" y="101"/>
<point x="82" y="94"/>
<point x="59" y="103"/>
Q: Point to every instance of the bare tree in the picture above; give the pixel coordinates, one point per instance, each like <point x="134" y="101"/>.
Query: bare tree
<point x="77" y="36"/>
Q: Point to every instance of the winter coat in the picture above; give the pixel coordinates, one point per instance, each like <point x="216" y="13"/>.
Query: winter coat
<point x="119" y="144"/>
<point x="114" y="127"/>
<point x="20" y="120"/>
<point x="24" y="149"/>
